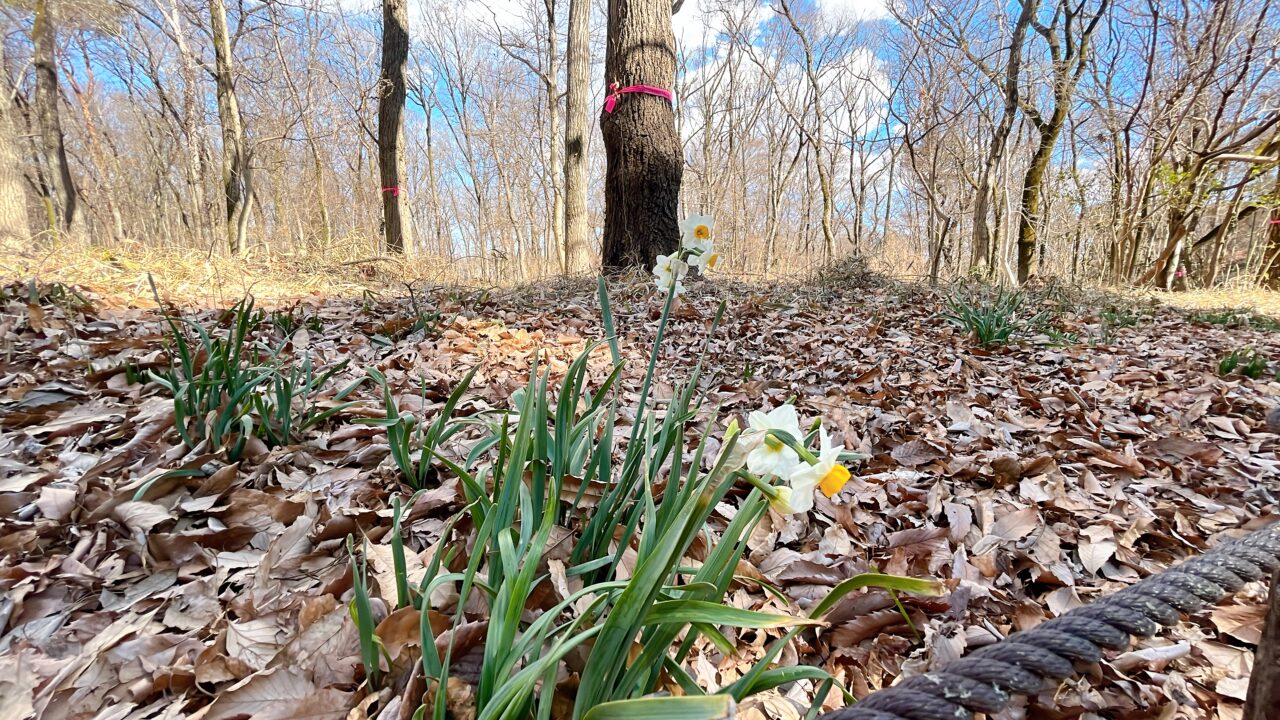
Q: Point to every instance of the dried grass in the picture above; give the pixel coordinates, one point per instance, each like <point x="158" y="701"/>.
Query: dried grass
<point x="348" y="270"/>
<point x="199" y="278"/>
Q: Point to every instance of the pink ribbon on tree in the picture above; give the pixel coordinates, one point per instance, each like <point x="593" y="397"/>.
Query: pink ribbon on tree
<point x="616" y="92"/>
<point x="395" y="191"/>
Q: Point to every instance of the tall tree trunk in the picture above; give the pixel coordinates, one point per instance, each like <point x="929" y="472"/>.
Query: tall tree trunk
<point x="308" y="128"/>
<point x="194" y="161"/>
<point x="643" y="156"/>
<point x="235" y="176"/>
<point x="391" y="94"/>
<point x="555" y="150"/>
<point x="1069" y="55"/>
<point x="14" y="232"/>
<point x="819" y="145"/>
<point x="981" y="245"/>
<point x="577" y="231"/>
<point x="1223" y="230"/>
<point x="1269" y="271"/>
<point x="62" y="201"/>
<point x="1032" y="191"/>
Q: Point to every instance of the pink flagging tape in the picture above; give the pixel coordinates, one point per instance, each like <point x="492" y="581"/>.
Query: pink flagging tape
<point x="395" y="191"/>
<point x="616" y="92"/>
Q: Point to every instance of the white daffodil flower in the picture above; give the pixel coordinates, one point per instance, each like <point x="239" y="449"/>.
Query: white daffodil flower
<point x="667" y="273"/>
<point x="827" y="475"/>
<point x="769" y="455"/>
<point x="705" y="262"/>
<point x="702" y="255"/>
<point x="696" y="227"/>
<point x="784" y="499"/>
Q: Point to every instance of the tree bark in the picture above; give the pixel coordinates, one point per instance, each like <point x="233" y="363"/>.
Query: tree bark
<point x="555" y="150"/>
<point x="1269" y="271"/>
<point x="235" y="175"/>
<point x="1263" y="701"/>
<point x="14" y="232"/>
<point x="643" y="156"/>
<point x="62" y="200"/>
<point x="308" y="128"/>
<point x="1032" y="187"/>
<point x="391" y="94"/>
<point x="577" y="231"/>
<point x="981" y="246"/>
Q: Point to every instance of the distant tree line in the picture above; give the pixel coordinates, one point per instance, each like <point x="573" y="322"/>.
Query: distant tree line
<point x="1128" y="141"/>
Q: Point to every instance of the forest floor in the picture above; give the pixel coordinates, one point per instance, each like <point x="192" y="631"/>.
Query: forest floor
<point x="1103" y="444"/>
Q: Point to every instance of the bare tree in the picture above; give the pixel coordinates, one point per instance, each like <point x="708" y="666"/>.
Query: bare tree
<point x="577" y="232"/>
<point x="391" y="95"/>
<point x="980" y="250"/>
<point x="61" y="198"/>
<point x="1068" y="35"/>
<point x="236" y="176"/>
<point x="1225" y="118"/>
<point x="815" y="135"/>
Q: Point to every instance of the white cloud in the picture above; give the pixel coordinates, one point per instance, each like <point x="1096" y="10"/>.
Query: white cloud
<point x="700" y="23"/>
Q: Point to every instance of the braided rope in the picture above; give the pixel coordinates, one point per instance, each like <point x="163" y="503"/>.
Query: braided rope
<point x="983" y="680"/>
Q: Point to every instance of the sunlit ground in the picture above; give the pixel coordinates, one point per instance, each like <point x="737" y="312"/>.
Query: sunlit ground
<point x="123" y="276"/>
<point x="1264" y="302"/>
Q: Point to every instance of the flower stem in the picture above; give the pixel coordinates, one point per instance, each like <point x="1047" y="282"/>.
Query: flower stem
<point x="653" y="361"/>
<point x="760" y="484"/>
<point x="804" y="453"/>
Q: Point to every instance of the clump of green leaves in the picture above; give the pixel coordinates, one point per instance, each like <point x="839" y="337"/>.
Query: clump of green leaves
<point x="1248" y="362"/>
<point x="227" y="387"/>
<point x="1236" y="318"/>
<point x="1229" y="363"/>
<point x="529" y="474"/>
<point x="52" y="293"/>
<point x="1115" y="317"/>
<point x="419" y="319"/>
<point x="414" y="441"/>
<point x="212" y="378"/>
<point x="990" y="316"/>
<point x="288" y="321"/>
<point x="291" y="405"/>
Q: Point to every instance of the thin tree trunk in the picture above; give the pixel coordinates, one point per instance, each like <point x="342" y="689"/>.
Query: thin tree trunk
<point x="981" y="244"/>
<point x="1224" y="229"/>
<point x="304" y="114"/>
<point x="391" y="94"/>
<point x="235" y="179"/>
<point x="194" y="162"/>
<point x="577" y="231"/>
<point x="1263" y="701"/>
<point x="815" y="91"/>
<point x="643" y="155"/>
<point x="1068" y="67"/>
<point x="1269" y="271"/>
<point x="1032" y="191"/>
<point x="62" y="199"/>
<point x="555" y="171"/>
<point x="14" y="232"/>
<point x="442" y="247"/>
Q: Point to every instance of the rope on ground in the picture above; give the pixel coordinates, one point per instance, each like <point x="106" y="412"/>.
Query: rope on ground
<point x="983" y="681"/>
